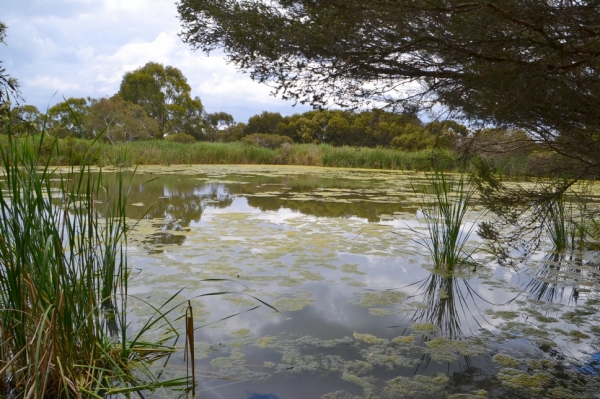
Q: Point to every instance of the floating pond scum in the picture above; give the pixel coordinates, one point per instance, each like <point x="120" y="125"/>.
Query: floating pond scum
<point x="363" y="310"/>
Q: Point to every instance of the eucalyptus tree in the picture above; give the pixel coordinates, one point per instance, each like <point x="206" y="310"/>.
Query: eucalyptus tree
<point x="68" y="118"/>
<point x="119" y="120"/>
<point x="27" y="119"/>
<point x="216" y="123"/>
<point x="163" y="92"/>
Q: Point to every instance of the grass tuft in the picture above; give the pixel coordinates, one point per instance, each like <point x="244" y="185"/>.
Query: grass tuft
<point x="447" y="236"/>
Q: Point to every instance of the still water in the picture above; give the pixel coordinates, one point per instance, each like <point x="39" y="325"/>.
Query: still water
<point x="362" y="312"/>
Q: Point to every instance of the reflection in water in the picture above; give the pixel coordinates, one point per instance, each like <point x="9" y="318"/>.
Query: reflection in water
<point x="449" y="303"/>
<point x="559" y="272"/>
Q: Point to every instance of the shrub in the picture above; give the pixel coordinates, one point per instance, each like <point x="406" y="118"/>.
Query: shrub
<point x="180" y="138"/>
<point x="267" y="140"/>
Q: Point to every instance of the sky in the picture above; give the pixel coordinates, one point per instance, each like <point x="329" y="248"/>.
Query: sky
<point x="78" y="48"/>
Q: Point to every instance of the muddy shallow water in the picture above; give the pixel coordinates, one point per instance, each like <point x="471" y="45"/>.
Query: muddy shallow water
<point x="362" y="311"/>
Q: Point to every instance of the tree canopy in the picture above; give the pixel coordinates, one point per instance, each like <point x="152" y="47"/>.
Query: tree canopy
<point x="526" y="65"/>
<point x="165" y="95"/>
<point x="8" y="86"/>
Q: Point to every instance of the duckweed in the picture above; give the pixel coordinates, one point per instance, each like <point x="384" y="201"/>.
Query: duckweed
<point x="419" y="386"/>
<point x="369" y="339"/>
<point x="384" y="298"/>
<point x="505" y="360"/>
<point x="424" y="328"/>
<point x="447" y="350"/>
<point x="520" y="380"/>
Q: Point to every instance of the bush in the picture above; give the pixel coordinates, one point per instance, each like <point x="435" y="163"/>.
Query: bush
<point x="272" y="141"/>
<point x="180" y="138"/>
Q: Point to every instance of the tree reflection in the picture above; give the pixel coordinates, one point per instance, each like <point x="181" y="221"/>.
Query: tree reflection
<point x="557" y="278"/>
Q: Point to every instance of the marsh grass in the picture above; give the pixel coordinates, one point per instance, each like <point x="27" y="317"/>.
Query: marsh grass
<point x="158" y="152"/>
<point x="63" y="283"/>
<point x="444" y="219"/>
<point x="570" y="220"/>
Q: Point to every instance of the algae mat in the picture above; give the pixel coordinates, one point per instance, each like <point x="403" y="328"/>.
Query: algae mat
<point x="362" y="313"/>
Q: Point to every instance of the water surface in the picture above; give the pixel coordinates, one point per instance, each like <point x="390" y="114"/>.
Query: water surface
<point x="363" y="313"/>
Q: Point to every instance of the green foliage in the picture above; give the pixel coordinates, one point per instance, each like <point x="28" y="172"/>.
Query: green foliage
<point x="165" y="95"/>
<point x="118" y="120"/>
<point x="447" y="235"/>
<point x="216" y="123"/>
<point x="365" y="129"/>
<point x="183" y="138"/>
<point x="68" y="118"/>
<point x="267" y="140"/>
<point x="266" y="122"/>
<point x="26" y="119"/>
<point x="234" y="132"/>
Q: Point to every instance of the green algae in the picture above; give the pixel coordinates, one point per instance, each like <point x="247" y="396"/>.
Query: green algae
<point x="367" y="383"/>
<point x="447" y="350"/>
<point x="239" y="300"/>
<point x="265" y="341"/>
<point x="369" y="339"/>
<point x="384" y="298"/>
<point x="380" y="312"/>
<point x="424" y="328"/>
<point x="297" y="302"/>
<point x="241" y="333"/>
<point x="577" y="336"/>
<point x="481" y="394"/>
<point x="418" y="387"/>
<point x="352" y="269"/>
<point x="520" y="380"/>
<point x="505" y="360"/>
<point x="311" y="276"/>
<point x="502" y="314"/>
<point x="404" y="339"/>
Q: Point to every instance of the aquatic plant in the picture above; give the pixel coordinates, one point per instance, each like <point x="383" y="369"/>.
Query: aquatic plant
<point x="447" y="237"/>
<point x="63" y="284"/>
<point x="570" y="222"/>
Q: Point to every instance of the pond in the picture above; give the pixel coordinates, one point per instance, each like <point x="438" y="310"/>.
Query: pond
<point x="362" y="312"/>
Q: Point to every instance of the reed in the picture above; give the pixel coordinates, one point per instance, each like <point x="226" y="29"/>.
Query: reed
<point x="447" y="236"/>
<point x="159" y="152"/>
<point x="570" y="222"/>
<point x="63" y="282"/>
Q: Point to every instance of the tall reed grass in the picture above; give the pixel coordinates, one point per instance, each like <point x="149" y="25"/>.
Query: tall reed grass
<point x="160" y="152"/>
<point x="570" y="222"/>
<point x="447" y="234"/>
<point x="63" y="283"/>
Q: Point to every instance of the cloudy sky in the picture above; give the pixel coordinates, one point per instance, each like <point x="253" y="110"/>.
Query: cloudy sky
<point x="81" y="48"/>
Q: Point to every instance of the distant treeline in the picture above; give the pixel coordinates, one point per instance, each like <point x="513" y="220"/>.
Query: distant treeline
<point x="155" y="102"/>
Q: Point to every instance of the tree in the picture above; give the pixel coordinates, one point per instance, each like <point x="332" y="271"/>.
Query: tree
<point x="9" y="87"/>
<point x="266" y="122"/>
<point x="120" y="120"/>
<point x="164" y="93"/>
<point x="26" y="119"/>
<point x="531" y="65"/>
<point x="68" y="118"/>
<point x="188" y="118"/>
<point x="217" y="122"/>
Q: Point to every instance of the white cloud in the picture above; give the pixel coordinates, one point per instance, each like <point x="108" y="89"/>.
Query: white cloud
<point x="82" y="48"/>
<point x="53" y="83"/>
